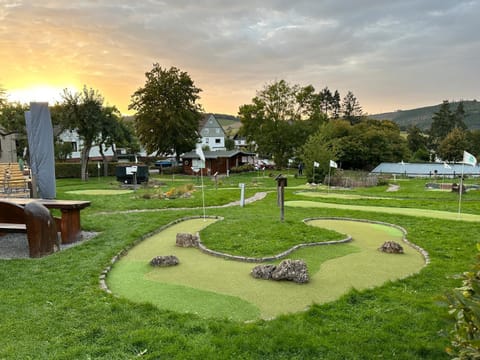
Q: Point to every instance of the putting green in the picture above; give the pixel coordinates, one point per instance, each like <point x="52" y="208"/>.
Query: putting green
<point x="215" y="287"/>
<point x="339" y="196"/>
<point x="448" y="215"/>
<point x="99" y="192"/>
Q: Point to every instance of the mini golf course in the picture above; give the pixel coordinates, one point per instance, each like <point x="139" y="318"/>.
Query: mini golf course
<point x="219" y="288"/>
<point x="447" y="215"/>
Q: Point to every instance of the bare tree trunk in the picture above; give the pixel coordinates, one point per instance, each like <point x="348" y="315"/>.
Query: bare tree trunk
<point x="84" y="162"/>
<point x="104" y="160"/>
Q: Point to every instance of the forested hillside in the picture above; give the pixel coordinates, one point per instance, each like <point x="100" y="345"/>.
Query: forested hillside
<point x="422" y="117"/>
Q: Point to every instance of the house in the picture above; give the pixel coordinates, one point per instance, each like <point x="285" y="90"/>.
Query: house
<point x="221" y="161"/>
<point x="212" y="133"/>
<point x="72" y="137"/>
<point x="8" y="147"/>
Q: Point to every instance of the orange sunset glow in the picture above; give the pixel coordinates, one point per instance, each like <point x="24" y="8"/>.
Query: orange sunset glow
<point x="391" y="58"/>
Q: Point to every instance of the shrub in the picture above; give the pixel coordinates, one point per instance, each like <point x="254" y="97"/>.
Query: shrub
<point x="464" y="307"/>
<point x="242" y="168"/>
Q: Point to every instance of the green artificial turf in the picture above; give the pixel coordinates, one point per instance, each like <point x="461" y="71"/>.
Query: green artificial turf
<point x="215" y="287"/>
<point x="99" y="192"/>
<point x="437" y="214"/>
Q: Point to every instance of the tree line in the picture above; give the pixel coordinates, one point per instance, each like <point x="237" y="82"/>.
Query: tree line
<point x="283" y="122"/>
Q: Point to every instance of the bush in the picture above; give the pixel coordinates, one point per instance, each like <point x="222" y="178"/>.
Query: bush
<point x="242" y="168"/>
<point x="464" y="307"/>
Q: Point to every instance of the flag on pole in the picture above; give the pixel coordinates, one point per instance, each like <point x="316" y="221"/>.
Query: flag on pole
<point x="316" y="164"/>
<point x="469" y="159"/>
<point x="199" y="151"/>
<point x="333" y="164"/>
<point x="446" y="166"/>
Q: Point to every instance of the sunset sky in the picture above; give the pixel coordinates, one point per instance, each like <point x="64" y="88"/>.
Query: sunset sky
<point x="390" y="54"/>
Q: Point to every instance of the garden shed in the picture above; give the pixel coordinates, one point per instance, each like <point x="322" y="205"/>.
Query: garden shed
<point x="220" y="162"/>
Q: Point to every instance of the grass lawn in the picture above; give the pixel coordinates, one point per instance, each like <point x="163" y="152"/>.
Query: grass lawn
<point x="53" y="308"/>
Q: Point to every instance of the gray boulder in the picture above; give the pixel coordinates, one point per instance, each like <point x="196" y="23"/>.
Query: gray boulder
<point x="263" y="271"/>
<point x="163" y="261"/>
<point x="292" y="270"/>
<point x="186" y="240"/>
<point x="391" y="247"/>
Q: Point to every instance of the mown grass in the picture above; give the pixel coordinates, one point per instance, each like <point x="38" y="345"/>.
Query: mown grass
<point x="52" y="308"/>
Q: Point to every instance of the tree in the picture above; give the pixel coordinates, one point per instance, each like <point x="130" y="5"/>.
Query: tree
<point x="279" y="117"/>
<point x="415" y="139"/>
<point x="83" y="111"/>
<point x="452" y="146"/>
<point x="12" y="119"/>
<point x="444" y="121"/>
<point x="352" y="111"/>
<point x="336" y="105"/>
<point x="167" y="115"/>
<point x="319" y="150"/>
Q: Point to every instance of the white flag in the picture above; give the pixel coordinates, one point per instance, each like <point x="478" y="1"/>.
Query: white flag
<point x="469" y="159"/>
<point x="446" y="166"/>
<point x="316" y="164"/>
<point x="199" y="151"/>
<point x="333" y="164"/>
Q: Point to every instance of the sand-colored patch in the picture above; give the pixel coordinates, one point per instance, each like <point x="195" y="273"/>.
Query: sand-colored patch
<point x="447" y="215"/>
<point x="99" y="192"/>
<point x="214" y="287"/>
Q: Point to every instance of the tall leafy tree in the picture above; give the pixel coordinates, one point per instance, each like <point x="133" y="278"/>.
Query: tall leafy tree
<point x="444" y="121"/>
<point x="278" y="118"/>
<point x="167" y="114"/>
<point x="336" y="105"/>
<point x="83" y="111"/>
<point x="452" y="146"/>
<point x="352" y="111"/>
<point x="12" y="119"/>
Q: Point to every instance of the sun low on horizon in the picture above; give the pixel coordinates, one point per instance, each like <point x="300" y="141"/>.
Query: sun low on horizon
<point x="39" y="93"/>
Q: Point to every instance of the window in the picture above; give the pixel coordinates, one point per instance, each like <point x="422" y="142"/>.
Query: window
<point x="74" y="146"/>
<point x="218" y="141"/>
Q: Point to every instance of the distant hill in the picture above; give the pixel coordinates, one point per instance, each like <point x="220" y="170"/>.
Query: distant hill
<point x="422" y="117"/>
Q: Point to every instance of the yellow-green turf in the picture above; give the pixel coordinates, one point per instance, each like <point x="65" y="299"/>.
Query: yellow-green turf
<point x="99" y="192"/>
<point x="437" y="214"/>
<point x="338" y="196"/>
<point x="215" y="287"/>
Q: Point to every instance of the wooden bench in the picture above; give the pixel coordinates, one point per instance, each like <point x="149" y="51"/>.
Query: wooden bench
<point x="35" y="220"/>
<point x="69" y="222"/>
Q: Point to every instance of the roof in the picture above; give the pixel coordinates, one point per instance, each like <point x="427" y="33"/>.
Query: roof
<point x="216" y="154"/>
<point x="426" y="169"/>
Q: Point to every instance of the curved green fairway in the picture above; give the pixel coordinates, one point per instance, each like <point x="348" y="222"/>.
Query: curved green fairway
<point x="332" y="195"/>
<point x="99" y="192"/>
<point x="437" y="214"/>
<point x="215" y="287"/>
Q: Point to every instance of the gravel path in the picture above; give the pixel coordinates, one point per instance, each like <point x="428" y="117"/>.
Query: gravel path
<point x="15" y="246"/>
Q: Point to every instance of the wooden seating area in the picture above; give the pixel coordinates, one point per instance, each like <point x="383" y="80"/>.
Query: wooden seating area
<point x="14" y="181"/>
<point x="33" y="219"/>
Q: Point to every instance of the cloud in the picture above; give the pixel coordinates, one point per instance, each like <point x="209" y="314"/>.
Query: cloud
<point x="369" y="47"/>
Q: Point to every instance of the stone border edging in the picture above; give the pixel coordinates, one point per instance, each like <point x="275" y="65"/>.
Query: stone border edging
<point x="204" y="249"/>
<point x="422" y="251"/>
<point x="208" y="251"/>
<point x="123" y="252"/>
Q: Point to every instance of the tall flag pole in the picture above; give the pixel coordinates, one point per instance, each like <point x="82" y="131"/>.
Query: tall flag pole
<point x="201" y="155"/>
<point x="315" y="165"/>
<point x="468" y="159"/>
<point x="331" y="165"/>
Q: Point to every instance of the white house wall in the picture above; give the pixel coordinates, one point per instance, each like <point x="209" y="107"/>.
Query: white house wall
<point x="72" y="137"/>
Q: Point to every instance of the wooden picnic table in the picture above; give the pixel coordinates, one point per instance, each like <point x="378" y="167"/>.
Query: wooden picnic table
<point x="69" y="223"/>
